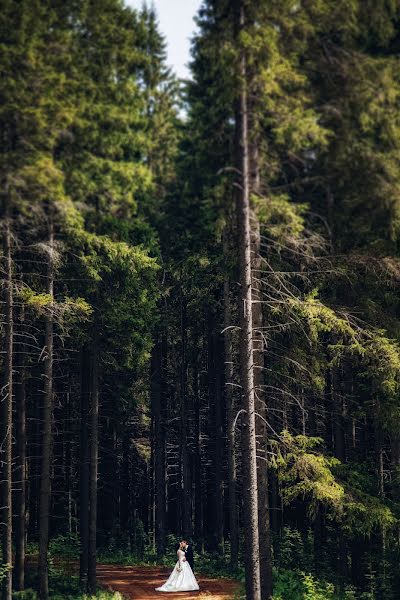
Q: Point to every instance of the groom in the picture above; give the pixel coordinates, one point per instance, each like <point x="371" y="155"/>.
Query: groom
<point x="189" y="554"/>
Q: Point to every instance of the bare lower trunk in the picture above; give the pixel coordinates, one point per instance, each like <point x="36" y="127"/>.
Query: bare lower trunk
<point x="250" y="492"/>
<point x="395" y="452"/>
<point x="395" y="460"/>
<point x="159" y="448"/>
<point x="186" y="517"/>
<point x="21" y="474"/>
<point x="84" y="466"/>
<point x="94" y="417"/>
<point x="219" y="447"/>
<point x="230" y="414"/>
<point x="198" y="504"/>
<point x="45" y="479"/>
<point x="379" y="449"/>
<point x="261" y="428"/>
<point x="6" y="415"/>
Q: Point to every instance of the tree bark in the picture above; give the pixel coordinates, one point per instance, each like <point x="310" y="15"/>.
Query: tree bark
<point x="94" y="434"/>
<point x="340" y="451"/>
<point x="261" y="428"/>
<point x="259" y="358"/>
<point x="379" y="449"/>
<point x="21" y="471"/>
<point x="159" y="447"/>
<point x="250" y="491"/>
<point x="198" y="506"/>
<point x="395" y="456"/>
<point x="45" y="475"/>
<point x="84" y="466"/>
<point x="219" y="446"/>
<point x="186" y="517"/>
<point x="6" y="411"/>
<point x="230" y="417"/>
<point x="395" y="488"/>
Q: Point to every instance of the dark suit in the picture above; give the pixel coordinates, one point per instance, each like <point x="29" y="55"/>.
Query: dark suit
<point x="189" y="556"/>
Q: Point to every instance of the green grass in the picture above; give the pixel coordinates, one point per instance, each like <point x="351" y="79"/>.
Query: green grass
<point x="63" y="584"/>
<point x="299" y="585"/>
<point x="101" y="595"/>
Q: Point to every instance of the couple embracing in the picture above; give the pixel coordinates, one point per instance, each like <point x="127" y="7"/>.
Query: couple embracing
<point x="182" y="578"/>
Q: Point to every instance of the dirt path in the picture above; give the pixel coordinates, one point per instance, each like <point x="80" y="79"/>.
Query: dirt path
<point x="138" y="583"/>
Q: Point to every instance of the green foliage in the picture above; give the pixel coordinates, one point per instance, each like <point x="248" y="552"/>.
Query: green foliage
<point x="283" y="220"/>
<point x="292" y="585"/>
<point x="306" y="474"/>
<point x="321" y="480"/>
<point x="25" y="595"/>
<point x="4" y="568"/>
<point x="66" y="545"/>
<point x="364" y="511"/>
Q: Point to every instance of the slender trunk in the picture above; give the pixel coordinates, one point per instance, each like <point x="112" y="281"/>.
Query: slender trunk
<point x="275" y="507"/>
<point x="21" y="473"/>
<point x="34" y="460"/>
<point x="67" y="459"/>
<point x="339" y="445"/>
<point x="379" y="449"/>
<point x="219" y="446"/>
<point x="94" y="417"/>
<point x="45" y="475"/>
<point x="198" y="506"/>
<point x="84" y="467"/>
<point x="338" y="416"/>
<point x="214" y="375"/>
<point x="159" y="448"/>
<point x="125" y="484"/>
<point x="259" y="357"/>
<point x="261" y="428"/>
<point x="6" y="414"/>
<point x="186" y="519"/>
<point x="395" y="451"/>
<point x="250" y="492"/>
<point x="151" y="488"/>
<point x="230" y="416"/>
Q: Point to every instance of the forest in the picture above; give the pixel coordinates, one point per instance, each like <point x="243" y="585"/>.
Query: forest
<point x="200" y="312"/>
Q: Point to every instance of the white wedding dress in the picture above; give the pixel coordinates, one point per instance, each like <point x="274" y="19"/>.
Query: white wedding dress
<point x="181" y="579"/>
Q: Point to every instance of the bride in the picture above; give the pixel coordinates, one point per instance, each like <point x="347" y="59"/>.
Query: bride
<point x="182" y="578"/>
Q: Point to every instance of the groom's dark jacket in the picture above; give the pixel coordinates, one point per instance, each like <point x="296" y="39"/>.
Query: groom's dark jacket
<point x="190" y="557"/>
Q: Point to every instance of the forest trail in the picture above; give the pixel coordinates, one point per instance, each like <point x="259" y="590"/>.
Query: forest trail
<point x="139" y="583"/>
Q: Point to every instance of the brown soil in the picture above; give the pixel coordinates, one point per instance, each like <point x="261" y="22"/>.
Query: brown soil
<point x="139" y="583"/>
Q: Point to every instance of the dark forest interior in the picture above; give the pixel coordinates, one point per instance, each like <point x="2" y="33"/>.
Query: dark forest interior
<point x="200" y="302"/>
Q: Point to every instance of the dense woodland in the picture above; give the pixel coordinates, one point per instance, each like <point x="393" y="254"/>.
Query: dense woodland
<point x="200" y="293"/>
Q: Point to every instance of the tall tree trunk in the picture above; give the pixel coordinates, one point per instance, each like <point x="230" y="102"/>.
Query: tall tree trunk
<point x="47" y="424"/>
<point x="6" y="412"/>
<point x="186" y="518"/>
<point x="250" y="491"/>
<point x="339" y="445"/>
<point x="261" y="428"/>
<point x="151" y="486"/>
<point x="395" y="455"/>
<point x="84" y="466"/>
<point x="219" y="445"/>
<point x="395" y="460"/>
<point x="94" y="434"/>
<point x="215" y="502"/>
<point x="230" y="417"/>
<point x="159" y="447"/>
<point x="21" y="471"/>
<point x="379" y="449"/>
<point x="259" y="358"/>
<point x="198" y="506"/>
